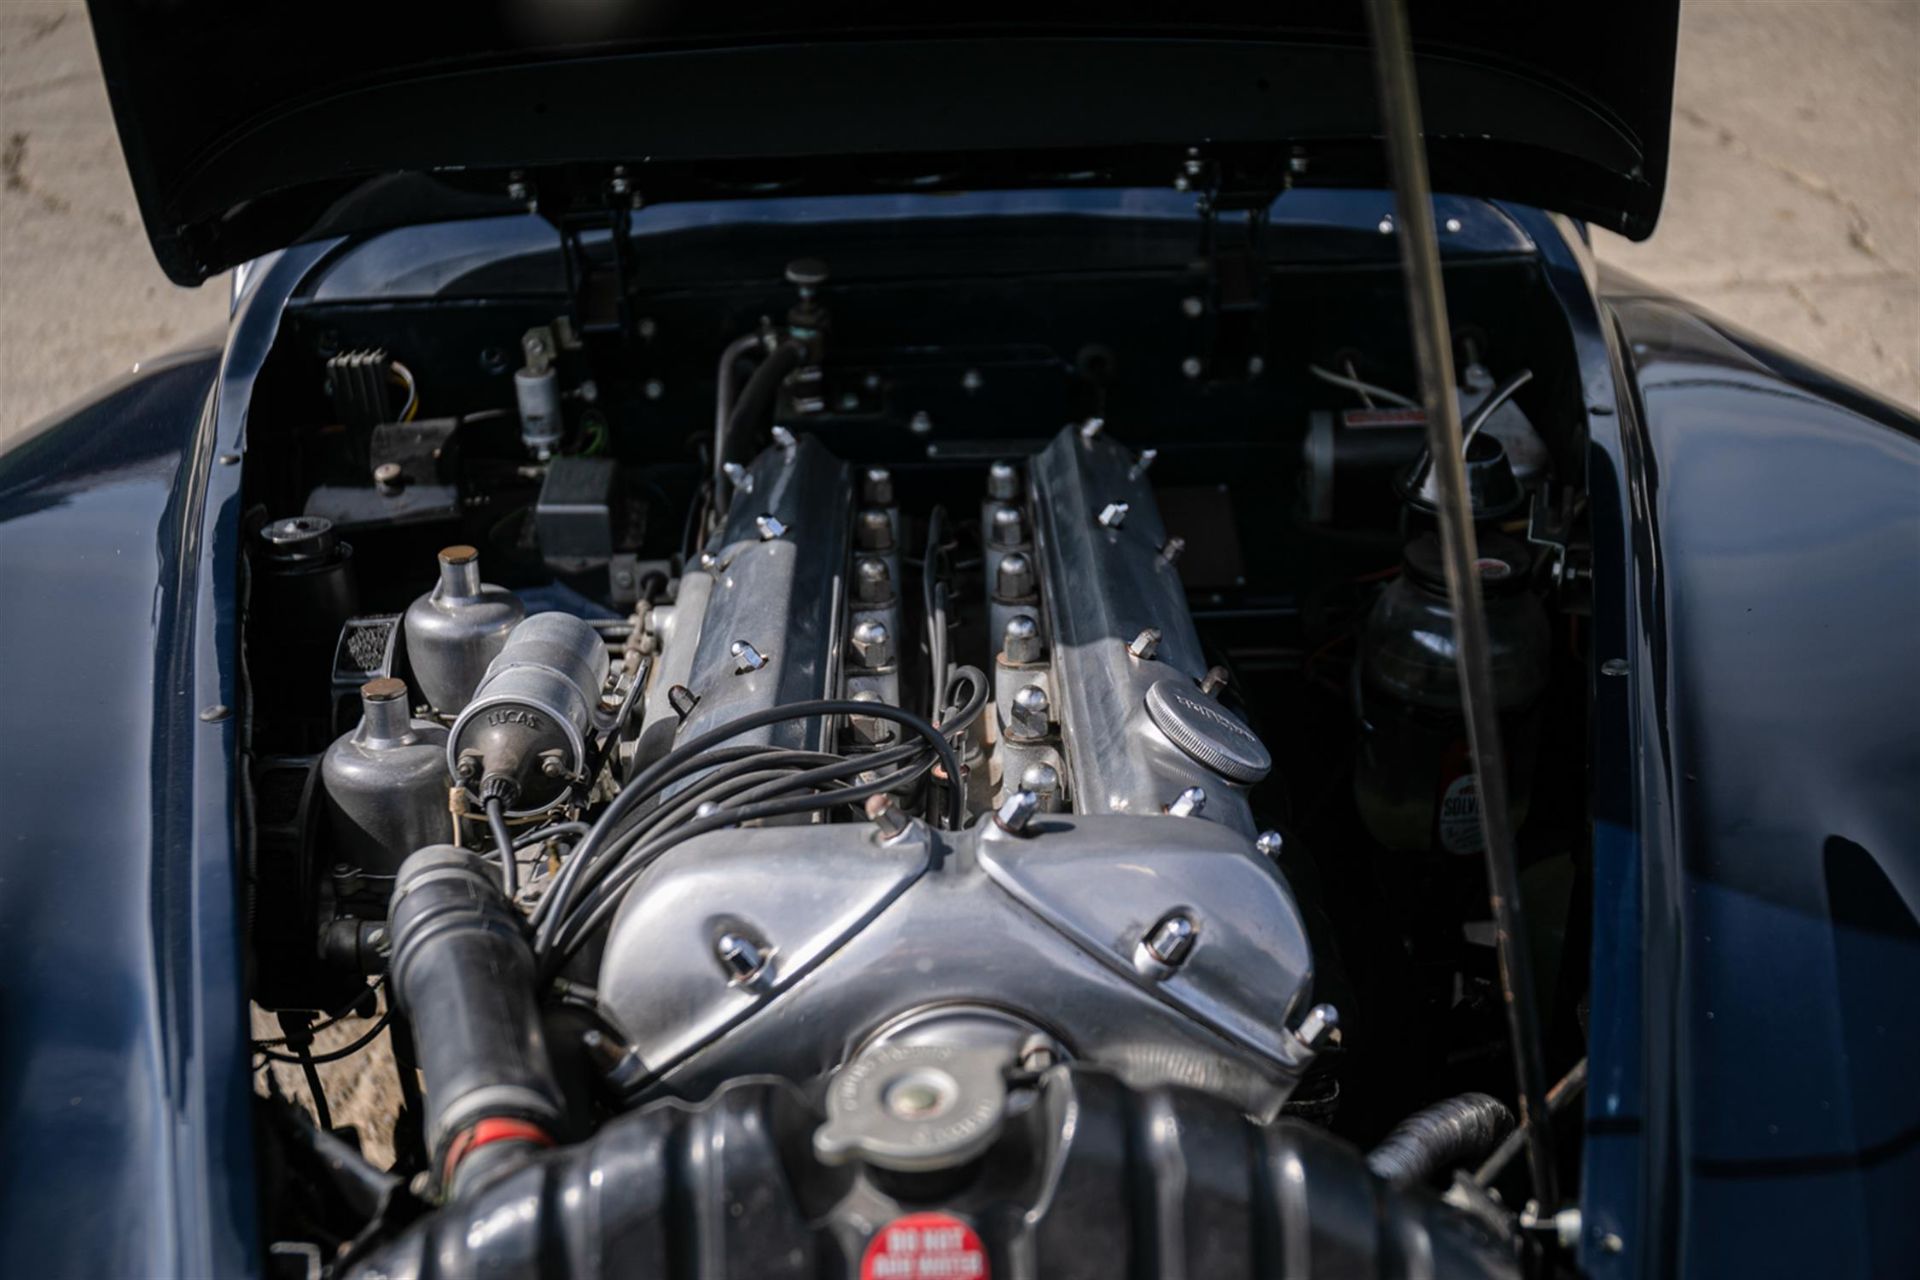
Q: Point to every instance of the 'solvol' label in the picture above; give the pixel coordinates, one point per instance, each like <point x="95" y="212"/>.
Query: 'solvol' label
<point x="925" y="1246"/>
<point x="1459" y="817"/>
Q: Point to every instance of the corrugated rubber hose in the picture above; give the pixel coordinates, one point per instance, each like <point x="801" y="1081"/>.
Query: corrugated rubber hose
<point x="1447" y="1135"/>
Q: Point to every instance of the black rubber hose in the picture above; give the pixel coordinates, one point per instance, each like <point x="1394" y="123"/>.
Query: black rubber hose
<point x="1571" y="1086"/>
<point x="347" y="1050"/>
<point x="1446" y="1135"/>
<point x="463" y="975"/>
<point x="754" y="406"/>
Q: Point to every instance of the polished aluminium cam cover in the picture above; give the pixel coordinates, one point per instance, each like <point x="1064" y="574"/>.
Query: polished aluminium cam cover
<point x="1062" y="931"/>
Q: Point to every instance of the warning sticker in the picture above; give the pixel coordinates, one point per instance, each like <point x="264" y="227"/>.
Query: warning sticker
<point x="925" y="1246"/>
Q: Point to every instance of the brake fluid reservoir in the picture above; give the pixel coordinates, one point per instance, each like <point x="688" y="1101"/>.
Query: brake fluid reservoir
<point x="1414" y="777"/>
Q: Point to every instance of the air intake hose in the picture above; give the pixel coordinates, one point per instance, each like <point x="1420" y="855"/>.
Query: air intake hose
<point x="1455" y="1132"/>
<point x="463" y="974"/>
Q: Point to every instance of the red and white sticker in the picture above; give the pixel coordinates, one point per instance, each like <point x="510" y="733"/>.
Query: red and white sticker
<point x="925" y="1246"/>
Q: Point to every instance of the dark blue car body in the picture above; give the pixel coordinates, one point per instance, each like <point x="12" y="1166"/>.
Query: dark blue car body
<point x="1755" y="1011"/>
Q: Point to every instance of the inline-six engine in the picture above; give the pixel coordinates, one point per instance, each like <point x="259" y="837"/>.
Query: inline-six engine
<point x="1113" y="902"/>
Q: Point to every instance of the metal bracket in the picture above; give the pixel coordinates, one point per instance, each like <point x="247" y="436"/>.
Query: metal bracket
<point x="1233" y="293"/>
<point x="601" y="295"/>
<point x="1551" y="524"/>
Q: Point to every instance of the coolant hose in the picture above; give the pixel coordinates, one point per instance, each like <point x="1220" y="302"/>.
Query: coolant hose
<point x="1446" y="1135"/>
<point x="463" y="974"/>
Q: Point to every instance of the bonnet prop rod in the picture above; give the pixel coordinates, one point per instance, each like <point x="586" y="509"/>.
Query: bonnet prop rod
<point x="1433" y="349"/>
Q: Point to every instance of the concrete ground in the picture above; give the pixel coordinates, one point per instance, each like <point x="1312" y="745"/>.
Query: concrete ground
<point x="1793" y="207"/>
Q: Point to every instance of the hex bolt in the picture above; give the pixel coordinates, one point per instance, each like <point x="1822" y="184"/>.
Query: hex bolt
<point x="1171" y="940"/>
<point x="553" y="764"/>
<point x="1092" y="427"/>
<point x="1214" y="681"/>
<point x="472" y="764"/>
<point x="1269" y="844"/>
<point x="737" y="476"/>
<point x="1317" y="1028"/>
<point x="1188" y="803"/>
<point x="784" y="439"/>
<point x="1043" y="780"/>
<point x="1013" y="580"/>
<point x="682" y="700"/>
<point x="1142" y="464"/>
<point x="1016" y="811"/>
<point x="1003" y="482"/>
<point x="870" y="731"/>
<point x="876" y="487"/>
<point x="1173" y="549"/>
<point x="1114" y="514"/>
<point x="741" y="957"/>
<point x="1145" y="646"/>
<point x="872" y="582"/>
<point x="771" y="527"/>
<point x="1006" y="527"/>
<point x="873" y="530"/>
<point x="1029" y="715"/>
<point x="885" y="815"/>
<point x="1021" y="644"/>
<point x="745" y="657"/>
<point x="873" y="644"/>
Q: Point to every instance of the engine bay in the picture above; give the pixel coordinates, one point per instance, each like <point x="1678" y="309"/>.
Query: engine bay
<point x="922" y="709"/>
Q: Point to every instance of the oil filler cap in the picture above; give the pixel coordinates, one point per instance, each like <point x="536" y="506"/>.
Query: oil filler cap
<point x="914" y="1108"/>
<point x="1207" y="731"/>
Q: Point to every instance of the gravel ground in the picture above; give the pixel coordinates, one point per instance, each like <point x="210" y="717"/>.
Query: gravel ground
<point x="1793" y="209"/>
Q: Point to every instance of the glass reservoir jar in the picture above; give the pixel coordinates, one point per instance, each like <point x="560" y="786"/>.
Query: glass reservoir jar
<point x="1414" y="780"/>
